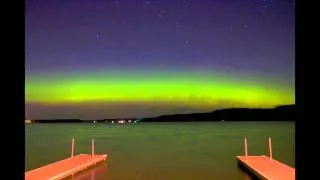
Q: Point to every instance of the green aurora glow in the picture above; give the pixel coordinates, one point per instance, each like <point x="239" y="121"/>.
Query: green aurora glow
<point x="197" y="89"/>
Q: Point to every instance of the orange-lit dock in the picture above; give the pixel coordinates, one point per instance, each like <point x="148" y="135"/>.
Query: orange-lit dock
<point x="265" y="167"/>
<point x="66" y="167"/>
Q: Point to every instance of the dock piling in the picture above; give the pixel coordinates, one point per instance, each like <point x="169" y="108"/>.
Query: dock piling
<point x="270" y="148"/>
<point x="246" y="148"/>
<point x="72" y="148"/>
<point x="92" y="155"/>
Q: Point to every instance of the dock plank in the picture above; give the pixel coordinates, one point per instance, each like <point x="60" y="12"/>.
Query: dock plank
<point x="267" y="168"/>
<point x="64" y="168"/>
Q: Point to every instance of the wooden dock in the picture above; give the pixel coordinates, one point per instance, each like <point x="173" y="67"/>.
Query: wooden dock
<point x="66" y="167"/>
<point x="92" y="173"/>
<point x="265" y="167"/>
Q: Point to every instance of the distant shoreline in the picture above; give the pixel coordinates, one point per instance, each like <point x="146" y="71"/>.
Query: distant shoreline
<point x="280" y="113"/>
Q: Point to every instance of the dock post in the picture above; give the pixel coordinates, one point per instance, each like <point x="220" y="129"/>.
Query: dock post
<point x="72" y="148"/>
<point x="92" y="153"/>
<point x="270" y="148"/>
<point x="246" y="147"/>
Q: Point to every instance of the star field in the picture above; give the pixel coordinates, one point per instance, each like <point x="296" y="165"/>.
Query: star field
<point x="99" y="59"/>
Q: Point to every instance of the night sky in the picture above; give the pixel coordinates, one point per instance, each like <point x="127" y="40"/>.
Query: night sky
<point x="136" y="58"/>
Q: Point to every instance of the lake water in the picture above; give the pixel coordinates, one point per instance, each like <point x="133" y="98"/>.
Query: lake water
<point x="159" y="151"/>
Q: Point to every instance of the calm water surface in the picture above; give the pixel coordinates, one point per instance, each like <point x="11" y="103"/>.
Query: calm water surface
<point x="157" y="151"/>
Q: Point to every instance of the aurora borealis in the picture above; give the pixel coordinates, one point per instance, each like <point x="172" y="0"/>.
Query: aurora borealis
<point x="103" y="59"/>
